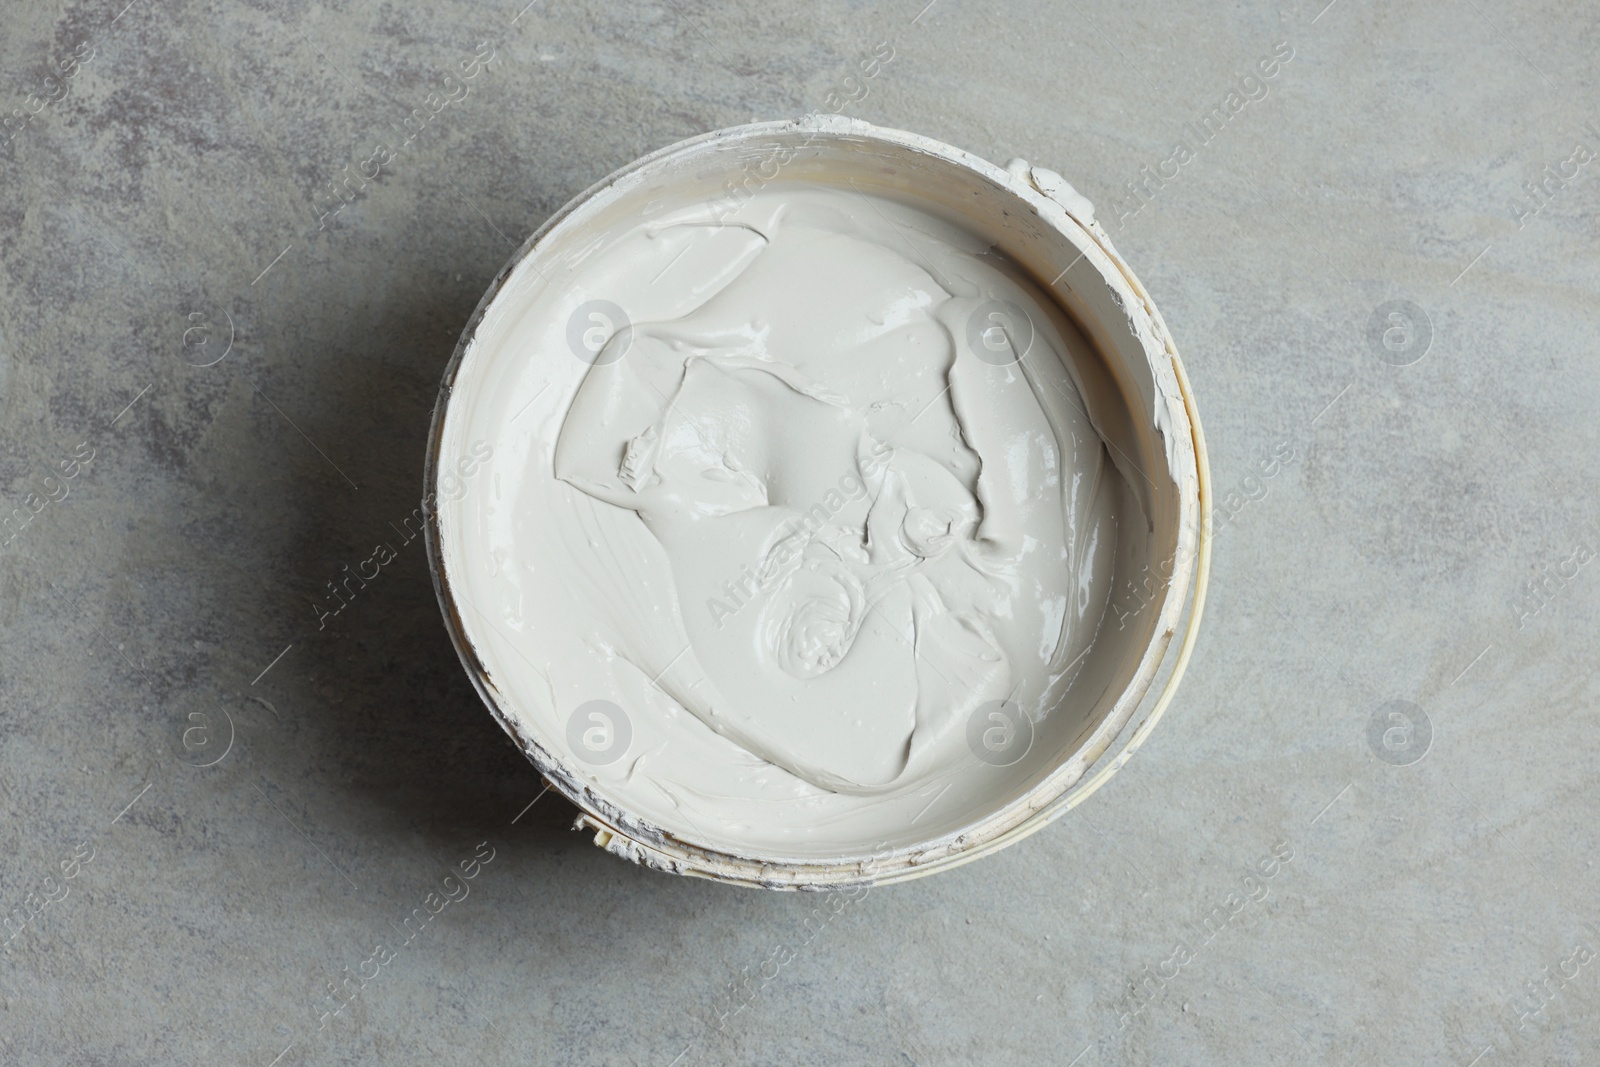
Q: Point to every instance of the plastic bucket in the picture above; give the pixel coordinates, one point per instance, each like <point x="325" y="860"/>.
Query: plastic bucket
<point x="1036" y="220"/>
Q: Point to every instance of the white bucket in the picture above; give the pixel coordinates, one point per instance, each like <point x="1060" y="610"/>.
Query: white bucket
<point x="1029" y="215"/>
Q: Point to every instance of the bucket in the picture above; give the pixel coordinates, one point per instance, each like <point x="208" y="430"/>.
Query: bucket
<point x="564" y="612"/>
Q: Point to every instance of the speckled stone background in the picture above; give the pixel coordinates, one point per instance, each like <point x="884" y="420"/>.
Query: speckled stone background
<point x="170" y="524"/>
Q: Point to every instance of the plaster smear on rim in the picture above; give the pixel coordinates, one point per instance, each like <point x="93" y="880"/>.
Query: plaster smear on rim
<point x="802" y="519"/>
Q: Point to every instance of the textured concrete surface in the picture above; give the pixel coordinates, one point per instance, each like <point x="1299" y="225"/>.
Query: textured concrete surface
<point x="1396" y="485"/>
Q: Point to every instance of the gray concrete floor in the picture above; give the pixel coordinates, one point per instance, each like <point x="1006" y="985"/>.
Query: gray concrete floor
<point x="155" y="612"/>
